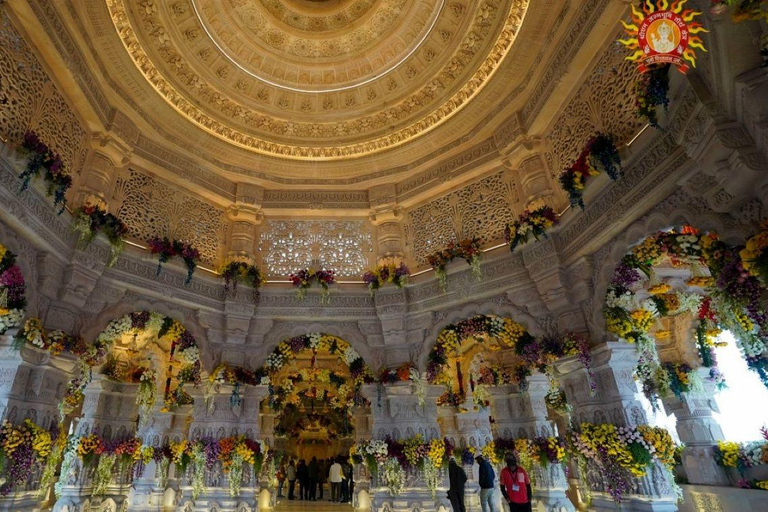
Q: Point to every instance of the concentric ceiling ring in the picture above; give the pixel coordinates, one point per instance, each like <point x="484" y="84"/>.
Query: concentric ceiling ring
<point x="272" y="83"/>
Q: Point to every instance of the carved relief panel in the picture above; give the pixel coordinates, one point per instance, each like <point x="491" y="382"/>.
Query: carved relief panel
<point x="481" y="209"/>
<point x="345" y="246"/>
<point x="150" y="207"/>
<point x="29" y="100"/>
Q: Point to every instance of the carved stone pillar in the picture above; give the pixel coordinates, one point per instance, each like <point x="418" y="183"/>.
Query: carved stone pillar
<point x="32" y="383"/>
<point x="524" y="415"/>
<point x="544" y="266"/>
<point x="388" y="219"/>
<point x="535" y="182"/>
<point x="109" y="410"/>
<point x="615" y="402"/>
<point x="398" y="412"/>
<point x="221" y="416"/>
<point x="105" y="160"/>
<point x="699" y="432"/>
<point x="245" y="217"/>
<point x="148" y="492"/>
<point x="391" y="310"/>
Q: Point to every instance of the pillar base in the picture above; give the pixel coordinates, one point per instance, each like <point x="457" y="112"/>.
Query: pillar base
<point x="218" y="498"/>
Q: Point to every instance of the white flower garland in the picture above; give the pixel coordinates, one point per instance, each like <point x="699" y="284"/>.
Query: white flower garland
<point x="393" y="476"/>
<point x="103" y="475"/>
<point x="432" y="476"/>
<point x="236" y="475"/>
<point x="11" y="319"/>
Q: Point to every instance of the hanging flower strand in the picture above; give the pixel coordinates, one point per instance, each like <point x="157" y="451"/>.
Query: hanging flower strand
<point x="90" y="220"/>
<point x="41" y="157"/>
<point x="167" y="249"/>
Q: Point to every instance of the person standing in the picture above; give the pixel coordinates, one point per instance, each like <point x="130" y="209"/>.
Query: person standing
<point x="322" y="477"/>
<point x="334" y="476"/>
<point x="280" y="480"/>
<point x="290" y="474"/>
<point x="515" y="486"/>
<point x="346" y="481"/>
<point x="312" y="473"/>
<point x="457" y="477"/>
<point x="302" y="475"/>
<point x="486" y="478"/>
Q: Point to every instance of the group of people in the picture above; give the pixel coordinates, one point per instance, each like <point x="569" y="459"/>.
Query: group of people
<point x="312" y="478"/>
<point x="513" y="480"/>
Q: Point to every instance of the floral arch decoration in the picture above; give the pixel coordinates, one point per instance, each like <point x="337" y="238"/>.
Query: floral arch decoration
<point x="462" y="340"/>
<point x="138" y="336"/>
<point x="301" y="388"/>
<point x="719" y="293"/>
<point x="13" y="301"/>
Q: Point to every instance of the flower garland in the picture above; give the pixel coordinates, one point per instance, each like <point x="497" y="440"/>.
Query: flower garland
<point x="90" y="220"/>
<point x="236" y="272"/>
<point x="386" y="273"/>
<point x="183" y="348"/>
<point x="730" y="299"/>
<point x="508" y="333"/>
<point x="678" y="379"/>
<point x="287" y="350"/>
<point x="167" y="249"/>
<point x="235" y="376"/>
<point x="12" y="288"/>
<point x="390" y="459"/>
<point x="621" y="453"/>
<point x="599" y="155"/>
<point x="651" y="91"/>
<point x="742" y="456"/>
<point x="530" y="223"/>
<point x="145" y="395"/>
<point x="21" y="448"/>
<point x="468" y="249"/>
<point x="42" y="157"/>
<point x="304" y="278"/>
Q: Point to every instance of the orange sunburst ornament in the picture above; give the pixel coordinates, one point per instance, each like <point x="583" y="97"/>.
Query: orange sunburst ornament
<point x="663" y="33"/>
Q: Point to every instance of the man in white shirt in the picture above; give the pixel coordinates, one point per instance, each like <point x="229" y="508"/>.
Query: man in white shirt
<point x="334" y="476"/>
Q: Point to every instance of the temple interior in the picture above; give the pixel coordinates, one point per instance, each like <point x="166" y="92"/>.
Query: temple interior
<point x="384" y="255"/>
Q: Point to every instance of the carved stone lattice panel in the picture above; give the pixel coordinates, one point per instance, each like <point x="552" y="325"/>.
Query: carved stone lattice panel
<point x="150" y="208"/>
<point x="343" y="246"/>
<point x="481" y="209"/>
<point x="29" y="101"/>
<point x="604" y="103"/>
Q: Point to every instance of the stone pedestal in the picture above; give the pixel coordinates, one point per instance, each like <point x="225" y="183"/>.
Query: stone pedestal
<point x="524" y="415"/>
<point x="616" y="401"/>
<point x="699" y="432"/>
<point x="109" y="410"/>
<point x="32" y="383"/>
<point x="217" y="416"/>
<point x="150" y="491"/>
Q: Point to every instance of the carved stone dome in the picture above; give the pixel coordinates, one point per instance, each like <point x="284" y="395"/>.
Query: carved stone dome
<point x="315" y="80"/>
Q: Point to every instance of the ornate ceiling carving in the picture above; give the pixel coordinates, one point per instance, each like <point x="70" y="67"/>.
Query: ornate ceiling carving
<point x="237" y="69"/>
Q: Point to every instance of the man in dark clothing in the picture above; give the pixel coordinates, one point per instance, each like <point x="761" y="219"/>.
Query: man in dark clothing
<point x="515" y="486"/>
<point x="312" y="473"/>
<point x="302" y="475"/>
<point x="486" y="478"/>
<point x="322" y="477"/>
<point x="457" y="477"/>
<point x="346" y="483"/>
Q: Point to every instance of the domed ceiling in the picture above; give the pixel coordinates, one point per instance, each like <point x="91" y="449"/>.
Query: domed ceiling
<point x="330" y="79"/>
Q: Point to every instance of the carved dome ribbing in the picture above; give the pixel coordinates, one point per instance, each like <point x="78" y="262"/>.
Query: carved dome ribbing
<point x="319" y="80"/>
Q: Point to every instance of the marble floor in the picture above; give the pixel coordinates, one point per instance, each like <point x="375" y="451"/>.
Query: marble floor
<point x="284" y="505"/>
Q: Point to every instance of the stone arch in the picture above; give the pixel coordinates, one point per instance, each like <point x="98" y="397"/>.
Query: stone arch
<point x="669" y="213"/>
<point x="349" y="332"/>
<point x="120" y="309"/>
<point x="503" y="310"/>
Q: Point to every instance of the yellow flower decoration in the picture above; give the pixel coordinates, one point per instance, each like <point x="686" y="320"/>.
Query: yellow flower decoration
<point x="658" y="289"/>
<point x="642" y="320"/>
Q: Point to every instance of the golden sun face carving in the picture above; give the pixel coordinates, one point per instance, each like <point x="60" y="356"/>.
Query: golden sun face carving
<point x="263" y="89"/>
